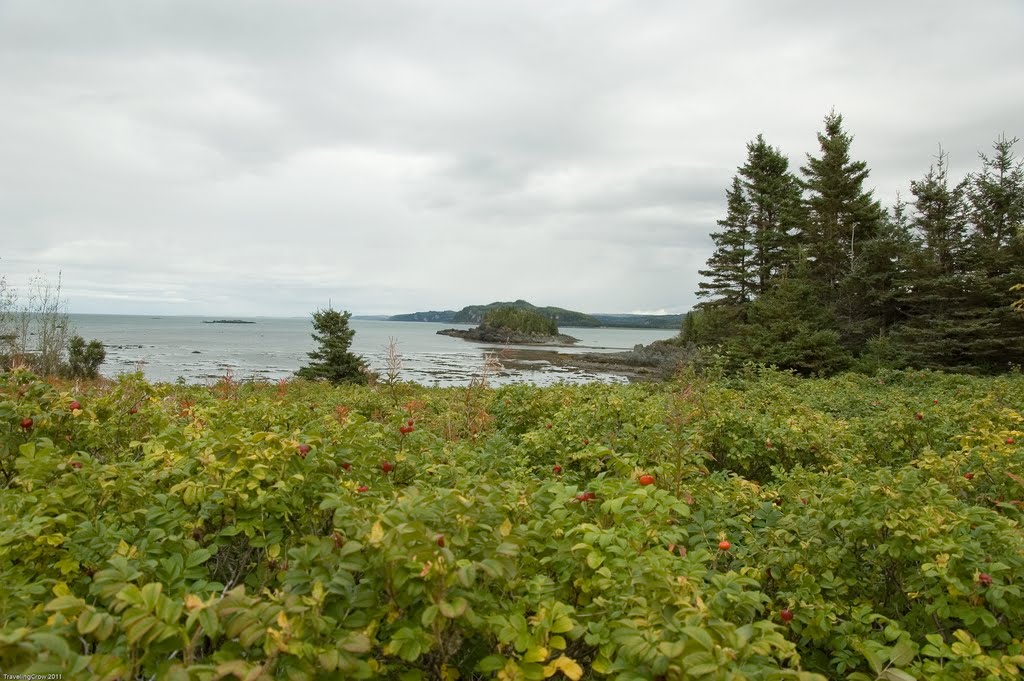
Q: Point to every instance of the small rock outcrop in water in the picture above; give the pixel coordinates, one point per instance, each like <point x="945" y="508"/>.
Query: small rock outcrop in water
<point x="664" y="356"/>
<point x="657" y="361"/>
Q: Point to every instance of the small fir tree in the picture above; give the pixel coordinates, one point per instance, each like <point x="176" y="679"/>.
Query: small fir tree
<point x="84" y="359"/>
<point x="332" y="361"/>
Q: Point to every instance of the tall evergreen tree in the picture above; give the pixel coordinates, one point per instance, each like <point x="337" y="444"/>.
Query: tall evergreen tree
<point x="754" y="247"/>
<point x="729" y="267"/>
<point x="996" y="208"/>
<point x="776" y="214"/>
<point x="935" y="298"/>
<point x="882" y="270"/>
<point x="842" y="216"/>
<point x="940" y="219"/>
<point x="994" y="257"/>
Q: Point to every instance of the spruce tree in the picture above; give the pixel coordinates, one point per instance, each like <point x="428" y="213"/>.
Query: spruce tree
<point x="842" y="216"/>
<point x="994" y="257"/>
<point x="936" y="297"/>
<point x="790" y="328"/>
<point x="940" y="218"/>
<point x="996" y="209"/>
<point x="880" y="273"/>
<point x="841" y="232"/>
<point x="754" y="248"/>
<point x="729" y="274"/>
<point x="332" y="361"/>
<point x="773" y="194"/>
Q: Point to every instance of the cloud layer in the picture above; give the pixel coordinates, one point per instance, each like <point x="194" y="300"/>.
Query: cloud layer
<point x="264" y="157"/>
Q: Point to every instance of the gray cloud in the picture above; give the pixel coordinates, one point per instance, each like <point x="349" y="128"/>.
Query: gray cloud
<point x="260" y="157"/>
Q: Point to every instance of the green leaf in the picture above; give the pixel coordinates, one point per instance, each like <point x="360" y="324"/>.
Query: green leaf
<point x="53" y="643"/>
<point x="89" y="621"/>
<point x="903" y="653"/>
<point x="198" y="557"/>
<point x="62" y="603"/>
<point x="700" y="636"/>
<point x="491" y="663"/>
<point x="874" y="661"/>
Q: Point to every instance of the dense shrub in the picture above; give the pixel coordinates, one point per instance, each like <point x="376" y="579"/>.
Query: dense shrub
<point x="304" y="530"/>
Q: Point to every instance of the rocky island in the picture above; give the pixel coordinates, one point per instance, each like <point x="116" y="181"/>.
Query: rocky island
<point x="514" y="326"/>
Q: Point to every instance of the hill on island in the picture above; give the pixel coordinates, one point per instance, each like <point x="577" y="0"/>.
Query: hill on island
<point x="474" y="314"/>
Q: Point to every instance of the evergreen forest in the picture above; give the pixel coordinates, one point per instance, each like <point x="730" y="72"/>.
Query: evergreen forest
<point x="812" y="273"/>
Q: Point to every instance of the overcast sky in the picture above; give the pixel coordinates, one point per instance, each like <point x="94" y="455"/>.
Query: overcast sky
<point x="251" y="157"/>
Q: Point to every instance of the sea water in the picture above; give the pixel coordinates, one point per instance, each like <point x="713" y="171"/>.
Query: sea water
<point x="172" y="348"/>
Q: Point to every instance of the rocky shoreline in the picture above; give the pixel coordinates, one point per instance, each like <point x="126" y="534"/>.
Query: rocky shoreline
<point x="654" y="362"/>
<point x="507" y="337"/>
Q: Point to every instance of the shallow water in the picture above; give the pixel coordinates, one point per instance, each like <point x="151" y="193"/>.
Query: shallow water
<point x="166" y="348"/>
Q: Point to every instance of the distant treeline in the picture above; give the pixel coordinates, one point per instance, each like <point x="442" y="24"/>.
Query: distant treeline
<point x="811" y="273"/>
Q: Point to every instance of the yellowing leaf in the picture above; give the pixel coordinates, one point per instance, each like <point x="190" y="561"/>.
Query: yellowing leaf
<point x="566" y="665"/>
<point x="506" y="528"/>
<point x="282" y="621"/>
<point x="376" y="534"/>
<point x="193" y="603"/>
<point x="67" y="566"/>
<point x="123" y="549"/>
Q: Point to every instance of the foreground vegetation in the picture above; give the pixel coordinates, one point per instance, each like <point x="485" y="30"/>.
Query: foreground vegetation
<point x="757" y="527"/>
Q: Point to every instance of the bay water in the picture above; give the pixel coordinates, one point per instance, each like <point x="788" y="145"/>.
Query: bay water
<point x="173" y="348"/>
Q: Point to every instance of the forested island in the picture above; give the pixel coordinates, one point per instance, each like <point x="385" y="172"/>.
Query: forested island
<point x="514" y="326"/>
<point x="226" y="321"/>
